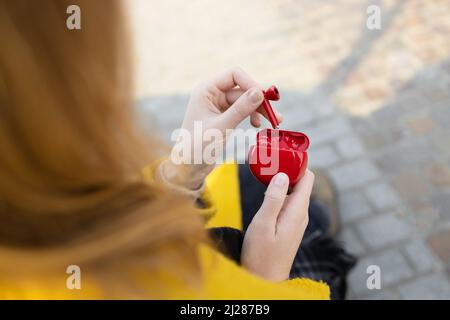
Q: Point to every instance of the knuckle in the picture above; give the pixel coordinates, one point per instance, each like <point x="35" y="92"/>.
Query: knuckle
<point x="274" y="197"/>
<point x="242" y="109"/>
<point x="236" y="69"/>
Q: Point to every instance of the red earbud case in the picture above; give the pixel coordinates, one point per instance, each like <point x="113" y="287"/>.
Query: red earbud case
<point x="278" y="150"/>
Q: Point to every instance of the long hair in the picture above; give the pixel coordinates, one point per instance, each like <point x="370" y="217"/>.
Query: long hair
<point x="70" y="151"/>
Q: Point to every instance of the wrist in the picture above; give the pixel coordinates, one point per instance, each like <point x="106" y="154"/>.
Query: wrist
<point x="187" y="176"/>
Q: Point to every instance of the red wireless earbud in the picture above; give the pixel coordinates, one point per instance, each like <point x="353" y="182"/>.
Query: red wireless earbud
<point x="278" y="150"/>
<point x="271" y="94"/>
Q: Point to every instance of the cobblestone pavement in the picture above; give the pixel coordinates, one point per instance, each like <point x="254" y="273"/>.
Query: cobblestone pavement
<point x="376" y="105"/>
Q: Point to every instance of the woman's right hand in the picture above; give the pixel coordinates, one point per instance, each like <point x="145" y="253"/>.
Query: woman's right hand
<point x="274" y="235"/>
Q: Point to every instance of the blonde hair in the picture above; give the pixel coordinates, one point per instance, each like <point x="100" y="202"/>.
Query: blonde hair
<point x="70" y="152"/>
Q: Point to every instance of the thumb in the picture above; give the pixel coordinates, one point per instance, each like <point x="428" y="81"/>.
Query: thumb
<point x="242" y="108"/>
<point x="274" y="197"/>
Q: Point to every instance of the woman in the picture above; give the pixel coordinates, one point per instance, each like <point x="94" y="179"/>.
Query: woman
<point x="80" y="185"/>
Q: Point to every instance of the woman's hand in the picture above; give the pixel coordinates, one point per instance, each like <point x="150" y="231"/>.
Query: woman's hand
<point x="274" y="235"/>
<point x="221" y="103"/>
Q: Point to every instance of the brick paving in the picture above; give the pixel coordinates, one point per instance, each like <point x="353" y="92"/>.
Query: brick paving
<point x="375" y="103"/>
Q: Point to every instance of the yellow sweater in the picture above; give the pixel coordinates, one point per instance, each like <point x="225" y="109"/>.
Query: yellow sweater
<point x="222" y="277"/>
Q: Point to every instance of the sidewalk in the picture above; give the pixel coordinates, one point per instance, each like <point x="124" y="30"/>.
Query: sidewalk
<point x="376" y="105"/>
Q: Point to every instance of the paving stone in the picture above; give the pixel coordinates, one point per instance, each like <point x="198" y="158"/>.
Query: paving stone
<point x="374" y="140"/>
<point x="431" y="287"/>
<point x="353" y="205"/>
<point x="439" y="141"/>
<point x="440" y="244"/>
<point x="322" y="157"/>
<point x="408" y="155"/>
<point x="382" y="196"/>
<point x="321" y="105"/>
<point x="393" y="267"/>
<point x="292" y="101"/>
<point x="421" y="125"/>
<point x="329" y="130"/>
<point x="350" y="147"/>
<point x="296" y="116"/>
<point x="305" y="108"/>
<point x="441" y="202"/>
<point x="384" y="116"/>
<point x="439" y="174"/>
<point x="325" y="109"/>
<point x="420" y="255"/>
<point x="382" y="230"/>
<point x="441" y="116"/>
<point x="420" y="204"/>
<point x="351" y="242"/>
<point x="354" y="174"/>
<point x="410" y="185"/>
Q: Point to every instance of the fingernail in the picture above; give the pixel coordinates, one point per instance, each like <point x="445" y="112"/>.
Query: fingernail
<point x="281" y="179"/>
<point x="255" y="95"/>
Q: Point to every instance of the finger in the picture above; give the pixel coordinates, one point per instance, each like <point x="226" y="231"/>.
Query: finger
<point x="255" y="119"/>
<point x="296" y="206"/>
<point x="234" y="94"/>
<point x="234" y="77"/>
<point x="242" y="108"/>
<point x="304" y="186"/>
<point x="274" y="197"/>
